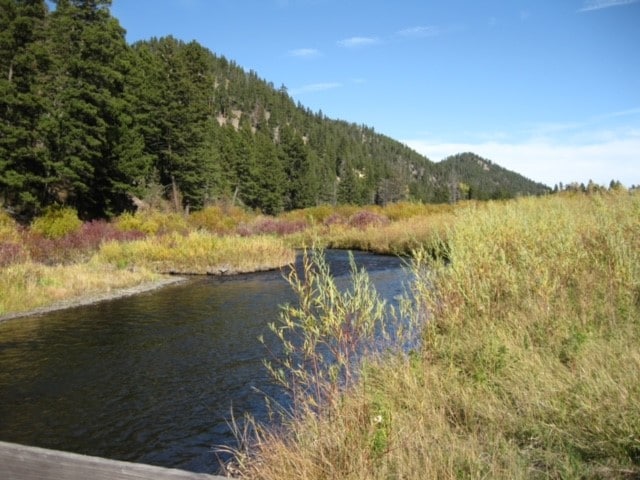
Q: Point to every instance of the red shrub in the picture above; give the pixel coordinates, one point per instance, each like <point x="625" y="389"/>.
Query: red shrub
<point x="334" y="219"/>
<point x="11" y="253"/>
<point x="364" y="219"/>
<point x="75" y="245"/>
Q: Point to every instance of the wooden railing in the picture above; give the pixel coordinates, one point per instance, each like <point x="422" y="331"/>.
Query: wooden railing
<point x="19" y="462"/>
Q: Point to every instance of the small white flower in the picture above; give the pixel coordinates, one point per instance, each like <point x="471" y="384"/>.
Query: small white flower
<point x="377" y="419"/>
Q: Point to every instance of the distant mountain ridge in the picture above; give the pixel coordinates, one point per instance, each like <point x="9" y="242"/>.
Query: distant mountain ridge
<point x="481" y="179"/>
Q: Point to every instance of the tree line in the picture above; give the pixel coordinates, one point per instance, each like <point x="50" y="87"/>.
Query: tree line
<point x="89" y="121"/>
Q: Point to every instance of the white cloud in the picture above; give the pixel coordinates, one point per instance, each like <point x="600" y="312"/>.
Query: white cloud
<point x="615" y="157"/>
<point x="355" y="42"/>
<point x="315" y="87"/>
<point x="424" y="31"/>
<point x="600" y="4"/>
<point x="304" y="52"/>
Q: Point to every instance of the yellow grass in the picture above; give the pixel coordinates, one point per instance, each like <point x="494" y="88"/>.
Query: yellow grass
<point x="199" y="253"/>
<point x="399" y="237"/>
<point x="27" y="286"/>
<point x="530" y="363"/>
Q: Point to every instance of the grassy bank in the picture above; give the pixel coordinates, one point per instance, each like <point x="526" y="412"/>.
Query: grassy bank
<point x="28" y="286"/>
<point x="198" y="253"/>
<point x="529" y="368"/>
<point x="58" y="258"/>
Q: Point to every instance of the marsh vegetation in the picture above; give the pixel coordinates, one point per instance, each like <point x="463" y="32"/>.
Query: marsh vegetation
<point x="528" y="363"/>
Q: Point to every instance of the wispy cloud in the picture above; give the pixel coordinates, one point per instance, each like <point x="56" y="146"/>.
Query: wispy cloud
<point x="619" y="113"/>
<point x="315" y="87"/>
<point x="590" y="5"/>
<point x="304" y="53"/>
<point x="421" y="31"/>
<point x="356" y="42"/>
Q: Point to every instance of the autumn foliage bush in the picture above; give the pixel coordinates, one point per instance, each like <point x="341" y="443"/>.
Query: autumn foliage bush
<point x="57" y="222"/>
<point x="365" y="219"/>
<point x="77" y="245"/>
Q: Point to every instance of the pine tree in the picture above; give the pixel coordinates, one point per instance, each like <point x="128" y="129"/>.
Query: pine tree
<point x="348" y="188"/>
<point x="86" y="129"/>
<point x="302" y="187"/>
<point x="23" y="62"/>
<point x="175" y="89"/>
<point x="270" y="176"/>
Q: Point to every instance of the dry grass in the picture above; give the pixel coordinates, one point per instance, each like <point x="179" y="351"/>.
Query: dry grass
<point x="398" y="237"/>
<point x="199" y="253"/>
<point x="530" y="366"/>
<point x="28" y="286"/>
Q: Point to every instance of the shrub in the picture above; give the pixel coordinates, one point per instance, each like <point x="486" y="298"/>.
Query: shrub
<point x="152" y="222"/>
<point x="334" y="219"/>
<point x="57" y="222"/>
<point x="365" y="219"/>
<point x="11" y="253"/>
<point x="78" y="245"/>
<point x="324" y="334"/>
<point x="271" y="226"/>
<point x="316" y="214"/>
<point x="219" y="219"/>
<point x="9" y="229"/>
<point x="405" y="210"/>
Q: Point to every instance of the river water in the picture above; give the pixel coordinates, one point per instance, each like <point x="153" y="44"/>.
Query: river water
<point x="153" y="378"/>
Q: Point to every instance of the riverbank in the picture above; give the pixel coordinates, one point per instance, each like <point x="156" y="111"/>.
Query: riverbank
<point x="60" y="261"/>
<point x="529" y="365"/>
<point x="96" y="297"/>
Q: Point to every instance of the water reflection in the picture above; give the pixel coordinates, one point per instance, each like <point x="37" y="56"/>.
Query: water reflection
<point x="151" y="378"/>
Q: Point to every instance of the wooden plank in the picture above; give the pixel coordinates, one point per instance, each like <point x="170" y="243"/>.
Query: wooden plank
<point x="19" y="462"/>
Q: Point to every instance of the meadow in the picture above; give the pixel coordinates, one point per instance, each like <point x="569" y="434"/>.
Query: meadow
<point x="528" y="364"/>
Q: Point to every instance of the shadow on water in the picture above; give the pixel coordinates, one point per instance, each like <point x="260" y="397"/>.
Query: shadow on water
<point x="152" y="378"/>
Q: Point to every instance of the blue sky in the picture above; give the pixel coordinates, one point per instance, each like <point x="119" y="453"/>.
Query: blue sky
<point x="547" y="88"/>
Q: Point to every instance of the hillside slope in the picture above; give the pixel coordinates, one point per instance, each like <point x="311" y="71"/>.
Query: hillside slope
<point x="471" y="176"/>
<point x="91" y="122"/>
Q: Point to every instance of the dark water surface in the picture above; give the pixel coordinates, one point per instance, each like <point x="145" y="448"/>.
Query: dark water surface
<point x="152" y="378"/>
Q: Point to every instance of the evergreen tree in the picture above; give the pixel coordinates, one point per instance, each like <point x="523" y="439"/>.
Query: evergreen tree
<point x="86" y="129"/>
<point x="175" y="108"/>
<point x="348" y="188"/>
<point x="301" y="186"/>
<point x="23" y="63"/>
<point x="270" y="176"/>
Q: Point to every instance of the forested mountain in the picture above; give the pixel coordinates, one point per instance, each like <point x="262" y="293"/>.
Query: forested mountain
<point x="470" y="176"/>
<point x="89" y="121"/>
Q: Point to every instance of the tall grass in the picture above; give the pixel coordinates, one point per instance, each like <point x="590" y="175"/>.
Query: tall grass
<point x="198" y="253"/>
<point x="530" y="364"/>
<point x="27" y="286"/>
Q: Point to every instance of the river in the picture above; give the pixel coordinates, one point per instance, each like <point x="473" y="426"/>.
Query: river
<point x="153" y="378"/>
